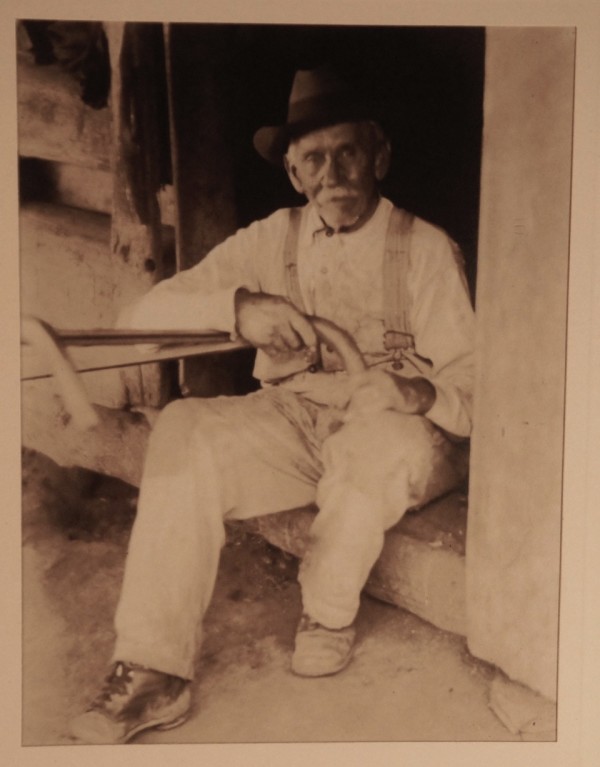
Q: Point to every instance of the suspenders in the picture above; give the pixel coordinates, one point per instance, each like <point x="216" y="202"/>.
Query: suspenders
<point x="396" y="299"/>
<point x="290" y="256"/>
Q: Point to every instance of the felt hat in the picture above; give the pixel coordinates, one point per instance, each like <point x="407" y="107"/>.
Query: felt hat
<point x="319" y="97"/>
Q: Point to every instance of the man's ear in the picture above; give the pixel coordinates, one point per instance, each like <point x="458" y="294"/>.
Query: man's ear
<point x="291" y="171"/>
<point x="383" y="154"/>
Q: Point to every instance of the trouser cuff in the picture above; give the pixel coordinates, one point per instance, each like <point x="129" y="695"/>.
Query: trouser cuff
<point x="153" y="658"/>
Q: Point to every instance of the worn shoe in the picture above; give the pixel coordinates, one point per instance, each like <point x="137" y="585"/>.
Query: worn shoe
<point x="133" y="699"/>
<point x="321" y="651"/>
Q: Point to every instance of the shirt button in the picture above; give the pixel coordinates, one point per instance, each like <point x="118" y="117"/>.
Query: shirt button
<point x="324" y="270"/>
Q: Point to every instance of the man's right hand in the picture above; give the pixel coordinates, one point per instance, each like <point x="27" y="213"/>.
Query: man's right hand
<point x="273" y="324"/>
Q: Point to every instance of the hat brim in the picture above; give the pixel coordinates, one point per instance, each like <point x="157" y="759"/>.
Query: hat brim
<point x="272" y="141"/>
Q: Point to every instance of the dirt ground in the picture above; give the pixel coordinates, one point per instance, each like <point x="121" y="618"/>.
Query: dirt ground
<point x="408" y="681"/>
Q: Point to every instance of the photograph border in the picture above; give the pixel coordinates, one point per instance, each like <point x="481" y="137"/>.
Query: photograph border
<point x="579" y="675"/>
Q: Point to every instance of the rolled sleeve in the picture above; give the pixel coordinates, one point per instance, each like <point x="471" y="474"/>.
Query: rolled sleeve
<point x="451" y="410"/>
<point x="166" y="308"/>
<point x="444" y="324"/>
<point x="202" y="297"/>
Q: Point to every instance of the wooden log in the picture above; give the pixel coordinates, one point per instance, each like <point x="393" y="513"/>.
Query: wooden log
<point x="86" y="188"/>
<point x="66" y="269"/>
<point x="67" y="279"/>
<point x="53" y="121"/>
<point x="116" y="447"/>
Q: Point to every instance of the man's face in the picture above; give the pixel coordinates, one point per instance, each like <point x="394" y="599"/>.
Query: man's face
<point x="337" y="169"/>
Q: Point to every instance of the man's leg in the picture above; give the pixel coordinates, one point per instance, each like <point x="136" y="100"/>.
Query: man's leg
<point x="206" y="459"/>
<point x="374" y="471"/>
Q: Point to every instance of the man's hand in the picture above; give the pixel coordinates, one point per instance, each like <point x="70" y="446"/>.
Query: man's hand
<point x="376" y="390"/>
<point x="273" y="324"/>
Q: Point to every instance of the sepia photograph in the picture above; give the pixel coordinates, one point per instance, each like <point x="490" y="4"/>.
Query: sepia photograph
<point x="294" y="304"/>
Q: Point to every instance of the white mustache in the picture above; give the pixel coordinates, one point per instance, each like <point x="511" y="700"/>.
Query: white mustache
<point x="335" y="195"/>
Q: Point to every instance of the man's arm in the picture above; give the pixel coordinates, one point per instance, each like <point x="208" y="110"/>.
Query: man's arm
<point x="442" y="321"/>
<point x="203" y="296"/>
<point x="381" y="390"/>
<point x="443" y="324"/>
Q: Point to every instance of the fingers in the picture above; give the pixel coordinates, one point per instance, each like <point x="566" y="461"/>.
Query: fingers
<point x="274" y="324"/>
<point x="288" y="339"/>
<point x="304" y="329"/>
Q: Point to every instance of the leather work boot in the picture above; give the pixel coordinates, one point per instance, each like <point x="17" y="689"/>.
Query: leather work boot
<point x="321" y="651"/>
<point x="133" y="699"/>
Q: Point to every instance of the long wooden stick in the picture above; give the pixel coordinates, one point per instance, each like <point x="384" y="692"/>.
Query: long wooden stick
<point x="122" y="337"/>
<point x="87" y="352"/>
<point x="50" y="345"/>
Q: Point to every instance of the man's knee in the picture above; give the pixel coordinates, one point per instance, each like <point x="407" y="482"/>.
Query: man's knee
<point x="392" y="456"/>
<point x="174" y="417"/>
<point x="368" y="439"/>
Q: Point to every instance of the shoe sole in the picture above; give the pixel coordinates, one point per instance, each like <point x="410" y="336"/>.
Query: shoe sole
<point x="171" y="725"/>
<point x="331" y="671"/>
<point x="89" y="736"/>
<point x="158" y="725"/>
<point x="319" y="653"/>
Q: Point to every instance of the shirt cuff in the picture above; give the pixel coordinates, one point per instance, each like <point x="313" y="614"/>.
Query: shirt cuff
<point x="449" y="411"/>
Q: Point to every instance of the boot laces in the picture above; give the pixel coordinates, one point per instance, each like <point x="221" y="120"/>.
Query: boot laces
<point x="117" y="682"/>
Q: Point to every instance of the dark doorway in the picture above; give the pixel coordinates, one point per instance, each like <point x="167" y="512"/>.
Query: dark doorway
<point x="428" y="82"/>
<point x="227" y="80"/>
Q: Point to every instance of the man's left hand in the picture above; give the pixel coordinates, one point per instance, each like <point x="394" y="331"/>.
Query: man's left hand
<point x="376" y="390"/>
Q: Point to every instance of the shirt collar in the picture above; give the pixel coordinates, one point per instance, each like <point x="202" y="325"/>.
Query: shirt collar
<point x="315" y="228"/>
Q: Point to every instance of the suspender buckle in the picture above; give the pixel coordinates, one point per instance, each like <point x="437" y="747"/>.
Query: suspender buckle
<point x="398" y="343"/>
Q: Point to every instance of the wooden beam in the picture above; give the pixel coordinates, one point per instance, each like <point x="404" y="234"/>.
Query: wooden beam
<point x="136" y="243"/>
<point x="204" y="188"/>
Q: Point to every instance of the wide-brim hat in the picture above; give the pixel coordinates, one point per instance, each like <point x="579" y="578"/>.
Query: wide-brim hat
<point x="319" y="97"/>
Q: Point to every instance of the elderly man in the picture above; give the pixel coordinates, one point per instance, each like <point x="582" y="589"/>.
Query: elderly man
<point x="365" y="448"/>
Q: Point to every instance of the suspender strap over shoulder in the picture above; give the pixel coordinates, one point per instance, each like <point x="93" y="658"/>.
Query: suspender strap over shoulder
<point x="396" y="297"/>
<point x="290" y="255"/>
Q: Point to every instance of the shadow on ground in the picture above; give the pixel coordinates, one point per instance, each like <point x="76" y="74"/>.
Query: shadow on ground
<point x="407" y="682"/>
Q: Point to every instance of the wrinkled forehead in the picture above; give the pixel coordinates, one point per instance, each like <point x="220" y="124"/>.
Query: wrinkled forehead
<point x="330" y="136"/>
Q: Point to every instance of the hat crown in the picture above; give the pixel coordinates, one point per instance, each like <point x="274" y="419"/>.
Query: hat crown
<point x="318" y="97"/>
<point x="314" y="84"/>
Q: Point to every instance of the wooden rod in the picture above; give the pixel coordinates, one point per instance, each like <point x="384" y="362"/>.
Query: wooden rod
<point x="125" y="337"/>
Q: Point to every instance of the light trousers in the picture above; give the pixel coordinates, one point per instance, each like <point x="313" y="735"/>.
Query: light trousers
<point x="239" y="457"/>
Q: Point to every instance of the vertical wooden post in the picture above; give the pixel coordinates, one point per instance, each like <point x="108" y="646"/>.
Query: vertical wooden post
<point x="136" y="244"/>
<point x="202" y="170"/>
<point x="513" y="543"/>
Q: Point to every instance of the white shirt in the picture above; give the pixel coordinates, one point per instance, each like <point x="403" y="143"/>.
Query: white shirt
<point x="341" y="279"/>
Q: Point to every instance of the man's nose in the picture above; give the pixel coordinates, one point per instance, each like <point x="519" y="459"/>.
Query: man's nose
<point x="332" y="173"/>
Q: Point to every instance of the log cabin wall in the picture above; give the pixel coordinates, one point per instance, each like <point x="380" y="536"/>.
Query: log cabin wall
<point x="92" y="233"/>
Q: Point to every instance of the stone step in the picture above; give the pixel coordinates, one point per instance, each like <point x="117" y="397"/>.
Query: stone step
<point x="421" y="567"/>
